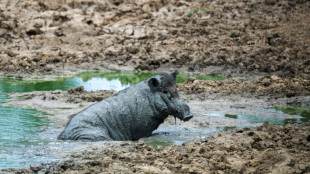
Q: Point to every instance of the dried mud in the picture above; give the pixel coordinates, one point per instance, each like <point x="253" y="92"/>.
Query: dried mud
<point x="273" y="87"/>
<point x="263" y="36"/>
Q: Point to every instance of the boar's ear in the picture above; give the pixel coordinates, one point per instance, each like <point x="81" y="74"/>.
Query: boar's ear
<point x="174" y="75"/>
<point x="153" y="83"/>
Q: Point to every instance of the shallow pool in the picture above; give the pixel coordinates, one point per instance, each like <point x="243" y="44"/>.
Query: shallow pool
<point x="27" y="136"/>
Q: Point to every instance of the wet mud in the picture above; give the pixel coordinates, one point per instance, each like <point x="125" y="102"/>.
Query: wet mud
<point x="268" y="149"/>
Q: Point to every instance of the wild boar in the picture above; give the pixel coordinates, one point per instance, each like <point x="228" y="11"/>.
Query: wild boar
<point x="132" y="113"/>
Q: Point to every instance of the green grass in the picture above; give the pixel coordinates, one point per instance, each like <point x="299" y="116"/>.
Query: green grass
<point x="156" y="143"/>
<point x="206" y="10"/>
<point x="133" y="78"/>
<point x="231" y="116"/>
<point x="124" y="77"/>
<point x="61" y="83"/>
<point x="253" y="5"/>
<point x="196" y="10"/>
<point x="65" y="108"/>
<point x="303" y="111"/>
<point x="233" y="34"/>
<point x="189" y="14"/>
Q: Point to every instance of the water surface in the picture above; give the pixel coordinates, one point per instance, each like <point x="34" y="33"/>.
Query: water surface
<point x="90" y="80"/>
<point x="260" y="118"/>
<point x="26" y="135"/>
<point x="21" y="140"/>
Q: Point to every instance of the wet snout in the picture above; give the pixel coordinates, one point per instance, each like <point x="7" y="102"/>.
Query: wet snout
<point x="183" y="112"/>
<point x="188" y="117"/>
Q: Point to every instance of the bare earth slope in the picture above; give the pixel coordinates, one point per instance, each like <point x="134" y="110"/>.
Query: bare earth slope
<point x="263" y="36"/>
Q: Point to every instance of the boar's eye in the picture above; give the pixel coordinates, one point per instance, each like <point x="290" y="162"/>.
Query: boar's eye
<point x="167" y="93"/>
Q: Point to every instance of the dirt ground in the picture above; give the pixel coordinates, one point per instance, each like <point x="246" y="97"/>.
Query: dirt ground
<point x="261" y="46"/>
<point x="269" y="149"/>
<point x="257" y="37"/>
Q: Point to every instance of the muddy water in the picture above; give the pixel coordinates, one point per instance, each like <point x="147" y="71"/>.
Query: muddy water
<point x="19" y="130"/>
<point x="28" y="137"/>
<point x="24" y="139"/>
<point x="260" y="119"/>
<point x="165" y="136"/>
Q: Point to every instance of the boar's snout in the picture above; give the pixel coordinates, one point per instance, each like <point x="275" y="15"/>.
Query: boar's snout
<point x="188" y="117"/>
<point x="183" y="112"/>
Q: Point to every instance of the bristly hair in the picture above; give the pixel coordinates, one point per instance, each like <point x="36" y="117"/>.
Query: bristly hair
<point x="174" y="75"/>
<point x="171" y="76"/>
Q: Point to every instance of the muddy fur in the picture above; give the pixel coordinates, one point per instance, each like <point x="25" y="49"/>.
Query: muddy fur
<point x="132" y="113"/>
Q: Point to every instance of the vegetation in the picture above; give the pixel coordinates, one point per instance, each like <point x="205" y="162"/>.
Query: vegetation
<point x="189" y="14"/>
<point x="126" y="78"/>
<point x="157" y="143"/>
<point x="233" y="34"/>
<point x="231" y="116"/>
<point x="133" y="78"/>
<point x="303" y="111"/>
<point x="253" y="5"/>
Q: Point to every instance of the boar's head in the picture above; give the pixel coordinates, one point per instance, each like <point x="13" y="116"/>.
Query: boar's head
<point x="166" y="98"/>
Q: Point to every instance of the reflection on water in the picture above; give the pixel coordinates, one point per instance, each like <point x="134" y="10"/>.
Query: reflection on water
<point x="99" y="84"/>
<point x="19" y="85"/>
<point x="303" y="111"/>
<point x="90" y="80"/>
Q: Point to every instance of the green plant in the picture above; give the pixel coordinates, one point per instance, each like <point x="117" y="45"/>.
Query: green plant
<point x="196" y="10"/>
<point x="233" y="34"/>
<point x="189" y="14"/>
<point x="253" y="4"/>
<point x="206" y="10"/>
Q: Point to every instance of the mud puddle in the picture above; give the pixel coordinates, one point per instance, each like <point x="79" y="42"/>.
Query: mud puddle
<point x="260" y="119"/>
<point x="166" y="136"/>
<point x="20" y="129"/>
<point x="29" y="136"/>
<point x="175" y="135"/>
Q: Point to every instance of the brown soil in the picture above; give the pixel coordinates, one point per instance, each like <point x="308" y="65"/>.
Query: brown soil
<point x="264" y="36"/>
<point x="273" y="87"/>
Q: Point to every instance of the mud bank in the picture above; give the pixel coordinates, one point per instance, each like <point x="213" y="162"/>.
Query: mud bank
<point x="61" y="104"/>
<point x="261" y="37"/>
<point x="271" y="86"/>
<point x="269" y="149"/>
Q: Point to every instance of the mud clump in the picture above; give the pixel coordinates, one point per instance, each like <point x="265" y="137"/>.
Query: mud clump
<point x="269" y="149"/>
<point x="147" y="35"/>
<point x="79" y="94"/>
<point x="73" y="95"/>
<point x="272" y="86"/>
